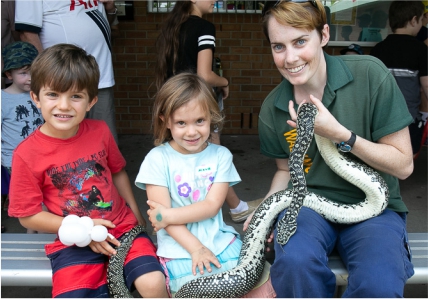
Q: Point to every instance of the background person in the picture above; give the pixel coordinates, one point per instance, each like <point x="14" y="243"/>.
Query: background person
<point x="45" y="23"/>
<point x="407" y="59"/>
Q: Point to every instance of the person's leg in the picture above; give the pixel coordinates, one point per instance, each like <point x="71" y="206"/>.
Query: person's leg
<point x="377" y="257"/>
<point x="78" y="272"/>
<point x="239" y="210"/>
<point x="300" y="268"/>
<point x="104" y="110"/>
<point x="142" y="269"/>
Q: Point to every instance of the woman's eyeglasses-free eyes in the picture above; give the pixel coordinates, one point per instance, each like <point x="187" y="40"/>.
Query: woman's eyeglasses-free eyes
<point x="269" y="4"/>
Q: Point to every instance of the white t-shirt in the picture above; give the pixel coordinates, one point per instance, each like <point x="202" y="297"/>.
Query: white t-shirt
<point x="79" y="22"/>
<point x="188" y="179"/>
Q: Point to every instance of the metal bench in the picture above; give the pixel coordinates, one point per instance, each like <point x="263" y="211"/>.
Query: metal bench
<point x="24" y="263"/>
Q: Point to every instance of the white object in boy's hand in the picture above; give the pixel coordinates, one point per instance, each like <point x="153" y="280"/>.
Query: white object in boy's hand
<point x="81" y="231"/>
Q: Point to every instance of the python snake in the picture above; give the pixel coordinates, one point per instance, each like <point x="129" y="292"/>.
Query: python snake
<point x="240" y="280"/>
<point x="115" y="279"/>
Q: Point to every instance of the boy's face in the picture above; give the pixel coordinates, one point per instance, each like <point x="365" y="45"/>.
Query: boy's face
<point x="21" y="78"/>
<point x="62" y="111"/>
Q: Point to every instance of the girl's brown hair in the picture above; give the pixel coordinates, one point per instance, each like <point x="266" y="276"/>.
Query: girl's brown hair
<point x="178" y="91"/>
<point x="303" y="15"/>
<point x="64" y="67"/>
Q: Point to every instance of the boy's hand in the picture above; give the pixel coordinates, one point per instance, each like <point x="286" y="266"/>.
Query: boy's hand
<point x="157" y="215"/>
<point x="203" y="257"/>
<point x="104" y="247"/>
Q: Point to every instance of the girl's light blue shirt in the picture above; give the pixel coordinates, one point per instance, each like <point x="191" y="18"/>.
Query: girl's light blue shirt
<point x="188" y="179"/>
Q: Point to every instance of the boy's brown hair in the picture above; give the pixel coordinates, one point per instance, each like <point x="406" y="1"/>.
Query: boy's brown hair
<point x="65" y="67"/>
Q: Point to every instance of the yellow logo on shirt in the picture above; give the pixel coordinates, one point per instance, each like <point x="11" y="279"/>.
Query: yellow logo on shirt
<point x="290" y="137"/>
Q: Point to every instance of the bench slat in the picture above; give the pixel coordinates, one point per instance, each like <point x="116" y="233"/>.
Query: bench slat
<point x="24" y="263"/>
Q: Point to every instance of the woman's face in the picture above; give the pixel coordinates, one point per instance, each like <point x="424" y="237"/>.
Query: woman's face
<point x="298" y="53"/>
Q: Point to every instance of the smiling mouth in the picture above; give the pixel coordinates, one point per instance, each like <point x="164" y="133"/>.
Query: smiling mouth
<point x="193" y="140"/>
<point x="62" y="116"/>
<point x="296" y="69"/>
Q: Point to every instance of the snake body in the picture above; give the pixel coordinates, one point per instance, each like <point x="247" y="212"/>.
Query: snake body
<point x="115" y="279"/>
<point x="242" y="279"/>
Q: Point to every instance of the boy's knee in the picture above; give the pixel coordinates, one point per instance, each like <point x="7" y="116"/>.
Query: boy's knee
<point x="151" y="285"/>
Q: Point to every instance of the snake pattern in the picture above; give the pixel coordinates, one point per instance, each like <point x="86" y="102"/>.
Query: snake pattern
<point x="115" y="279"/>
<point x="240" y="280"/>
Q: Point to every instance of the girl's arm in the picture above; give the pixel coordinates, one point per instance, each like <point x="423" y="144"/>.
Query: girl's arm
<point x="201" y="256"/>
<point x="121" y="181"/>
<point x="161" y="215"/>
<point x="205" y="60"/>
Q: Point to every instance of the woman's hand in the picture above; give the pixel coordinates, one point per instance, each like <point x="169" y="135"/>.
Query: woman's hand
<point x="203" y="257"/>
<point x="104" y="247"/>
<point x="157" y="215"/>
<point x="326" y="125"/>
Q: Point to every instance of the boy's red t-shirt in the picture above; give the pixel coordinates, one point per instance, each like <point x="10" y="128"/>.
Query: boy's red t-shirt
<point x="71" y="176"/>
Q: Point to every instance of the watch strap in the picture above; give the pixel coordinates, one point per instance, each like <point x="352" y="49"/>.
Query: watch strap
<point x="347" y="145"/>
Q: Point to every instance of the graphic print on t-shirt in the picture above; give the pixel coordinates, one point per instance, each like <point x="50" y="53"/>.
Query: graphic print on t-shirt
<point x="23" y="115"/>
<point x="80" y="186"/>
<point x="196" y="185"/>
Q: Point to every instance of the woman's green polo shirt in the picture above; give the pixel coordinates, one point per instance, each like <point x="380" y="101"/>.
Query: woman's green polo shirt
<point x="363" y="96"/>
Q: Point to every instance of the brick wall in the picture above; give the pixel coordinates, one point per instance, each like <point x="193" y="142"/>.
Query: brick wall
<point x="246" y="61"/>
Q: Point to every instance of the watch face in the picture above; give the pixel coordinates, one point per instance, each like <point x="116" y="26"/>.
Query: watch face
<point x="345" y="148"/>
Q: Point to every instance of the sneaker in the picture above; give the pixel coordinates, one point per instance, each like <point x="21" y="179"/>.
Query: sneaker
<point x="242" y="216"/>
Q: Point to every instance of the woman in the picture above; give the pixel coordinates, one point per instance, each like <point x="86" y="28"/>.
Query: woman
<point x="186" y="44"/>
<point x="363" y="111"/>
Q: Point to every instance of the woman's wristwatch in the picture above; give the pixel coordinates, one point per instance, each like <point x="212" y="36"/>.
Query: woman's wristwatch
<point x="346" y="146"/>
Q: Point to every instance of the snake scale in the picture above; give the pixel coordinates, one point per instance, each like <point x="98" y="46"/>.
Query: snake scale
<point x="240" y="280"/>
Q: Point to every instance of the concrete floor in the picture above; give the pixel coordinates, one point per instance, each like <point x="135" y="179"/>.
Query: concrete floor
<point x="256" y="172"/>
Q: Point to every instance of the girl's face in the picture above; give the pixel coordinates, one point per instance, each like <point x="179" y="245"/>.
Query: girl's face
<point x="190" y="128"/>
<point x="298" y="53"/>
<point x="202" y="7"/>
<point x="21" y="78"/>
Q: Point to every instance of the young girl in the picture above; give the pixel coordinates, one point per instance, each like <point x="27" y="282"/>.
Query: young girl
<point x="187" y="179"/>
<point x="187" y="44"/>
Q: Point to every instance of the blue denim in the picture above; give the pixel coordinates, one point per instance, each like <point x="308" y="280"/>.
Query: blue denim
<point x="376" y="253"/>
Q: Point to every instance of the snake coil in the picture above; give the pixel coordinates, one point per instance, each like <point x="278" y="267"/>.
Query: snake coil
<point x="240" y="280"/>
<point x="115" y="279"/>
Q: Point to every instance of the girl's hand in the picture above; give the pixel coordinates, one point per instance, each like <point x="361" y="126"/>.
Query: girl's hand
<point x="203" y="257"/>
<point x="104" y="247"/>
<point x="157" y="215"/>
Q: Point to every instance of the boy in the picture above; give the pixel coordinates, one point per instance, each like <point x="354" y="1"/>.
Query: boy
<point x="61" y="162"/>
<point x="406" y="57"/>
<point x="19" y="116"/>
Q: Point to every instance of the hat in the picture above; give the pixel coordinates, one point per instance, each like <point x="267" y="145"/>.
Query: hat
<point x="17" y="55"/>
<point x="352" y="47"/>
